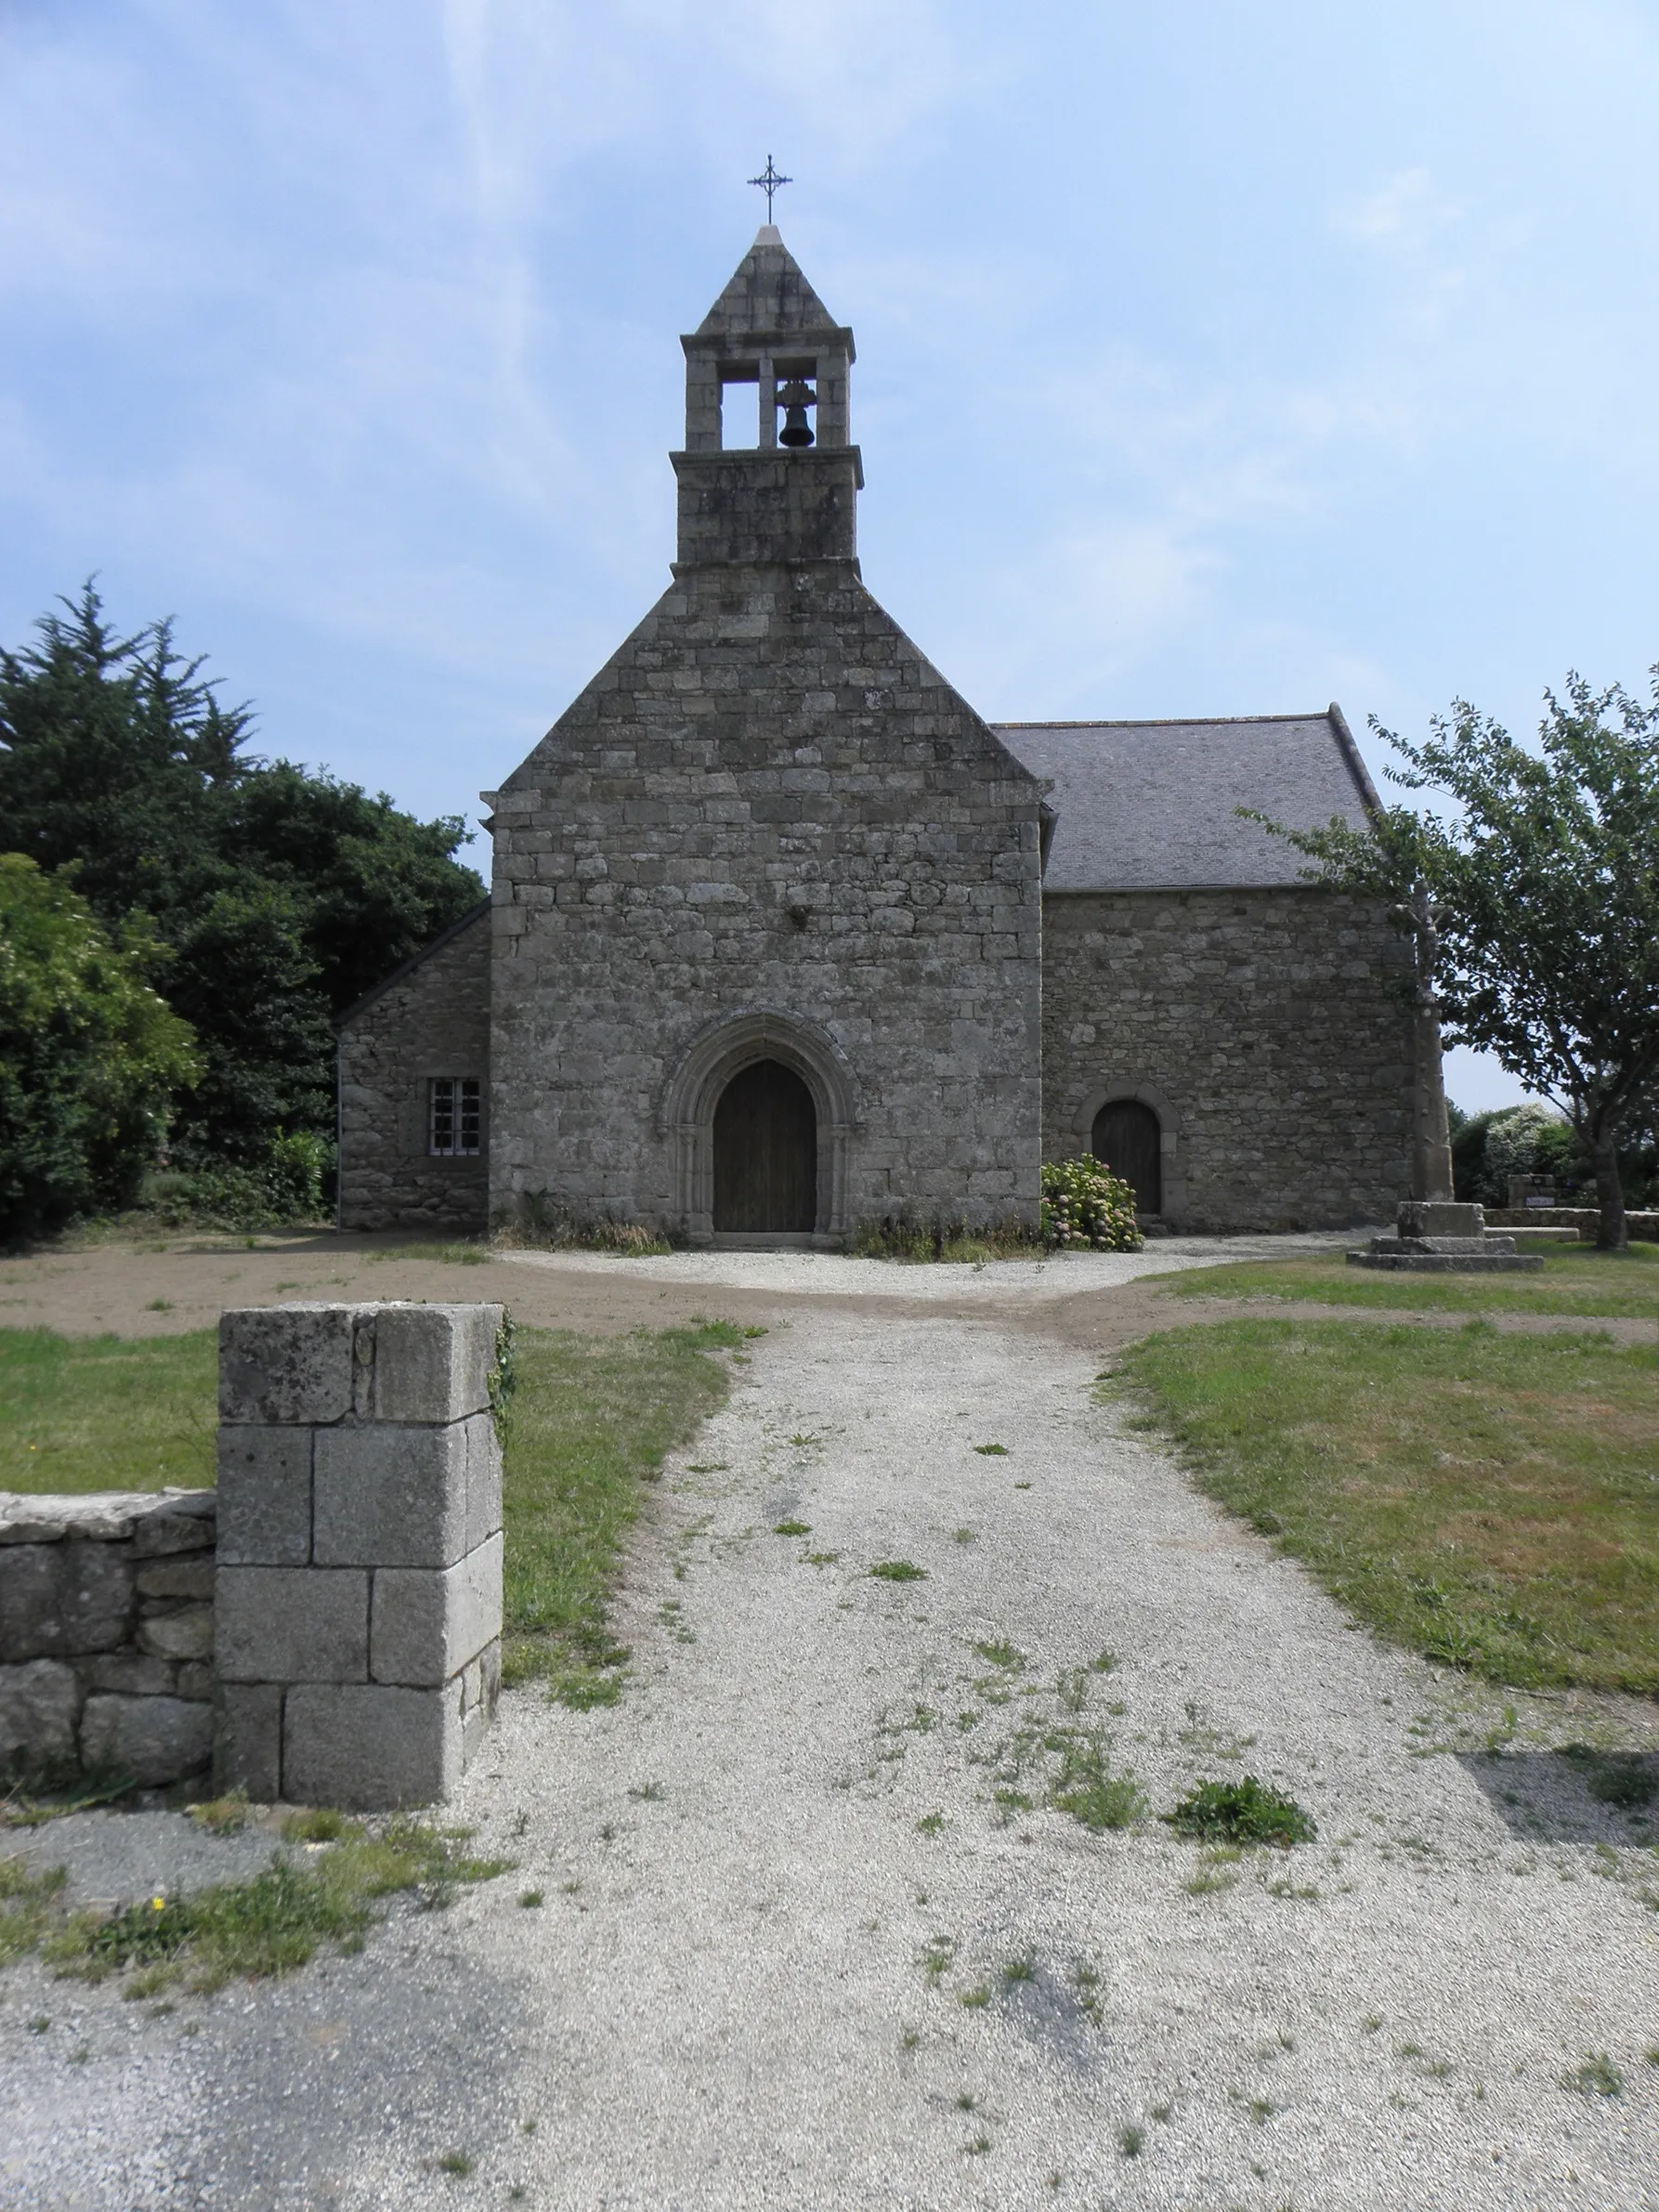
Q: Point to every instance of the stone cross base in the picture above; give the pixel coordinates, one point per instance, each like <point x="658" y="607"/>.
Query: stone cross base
<point x="357" y="1603"/>
<point x="1437" y="1237"/>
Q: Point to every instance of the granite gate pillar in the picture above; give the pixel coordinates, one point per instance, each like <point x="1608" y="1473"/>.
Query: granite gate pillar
<point x="358" y="1597"/>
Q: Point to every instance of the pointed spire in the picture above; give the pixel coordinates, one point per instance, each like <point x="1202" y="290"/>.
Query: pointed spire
<point x="767" y="293"/>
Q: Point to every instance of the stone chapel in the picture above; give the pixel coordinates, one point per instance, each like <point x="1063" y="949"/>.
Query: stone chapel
<point x="784" y="939"/>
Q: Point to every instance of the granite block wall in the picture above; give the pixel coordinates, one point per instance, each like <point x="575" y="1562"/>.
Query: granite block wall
<point x="768" y="805"/>
<point x="106" y="1636"/>
<point x="359" y="1601"/>
<point x="432" y="1018"/>
<point x="1265" y="1026"/>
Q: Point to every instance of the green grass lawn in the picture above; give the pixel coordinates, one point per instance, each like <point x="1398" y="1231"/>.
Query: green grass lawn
<point x="107" y="1413"/>
<point x="1489" y="1500"/>
<point x="586" y="1428"/>
<point x="1578" y="1281"/>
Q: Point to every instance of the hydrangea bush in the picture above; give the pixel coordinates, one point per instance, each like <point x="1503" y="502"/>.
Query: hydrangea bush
<point x="1086" y="1208"/>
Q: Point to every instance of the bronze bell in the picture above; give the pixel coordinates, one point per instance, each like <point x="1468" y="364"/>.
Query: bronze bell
<point x="795" y="397"/>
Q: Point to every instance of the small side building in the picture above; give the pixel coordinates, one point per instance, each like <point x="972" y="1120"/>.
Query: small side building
<point x="1234" y="1040"/>
<point x="414" y="1089"/>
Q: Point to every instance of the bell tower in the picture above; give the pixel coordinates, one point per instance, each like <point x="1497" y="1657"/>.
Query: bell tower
<point x="768" y="477"/>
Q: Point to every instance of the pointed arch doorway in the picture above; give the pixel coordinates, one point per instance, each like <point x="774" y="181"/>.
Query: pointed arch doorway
<point x="765" y="1154"/>
<point x="767" y="1116"/>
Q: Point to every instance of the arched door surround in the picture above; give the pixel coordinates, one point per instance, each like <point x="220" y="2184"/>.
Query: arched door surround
<point x="1127" y="1136"/>
<point x="719" y="1053"/>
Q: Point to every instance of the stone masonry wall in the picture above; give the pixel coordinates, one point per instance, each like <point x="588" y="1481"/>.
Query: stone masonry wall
<point x="1265" y="1027"/>
<point x="358" y="1600"/>
<point x="106" y="1636"/>
<point x="431" y="1019"/>
<point x="768" y="800"/>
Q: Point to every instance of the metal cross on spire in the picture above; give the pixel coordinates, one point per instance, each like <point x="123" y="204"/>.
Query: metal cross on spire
<point x="769" y="181"/>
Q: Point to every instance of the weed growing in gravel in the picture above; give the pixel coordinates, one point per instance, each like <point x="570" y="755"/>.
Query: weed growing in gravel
<point x="222" y="1816"/>
<point x="931" y="1823"/>
<point x="937" y="1958"/>
<point x="1201" y="1735"/>
<point x="1022" y="1968"/>
<point x="321" y="1824"/>
<point x="1086" y="1987"/>
<point x="530" y="1899"/>
<point x="1210" y="1880"/>
<point x="966" y="1536"/>
<point x="979" y="2146"/>
<point x="1246" y="1812"/>
<point x="1001" y="1654"/>
<point x="1090" y="1792"/>
<point x="992" y="1451"/>
<point x="819" y="1558"/>
<point x="1103" y="1662"/>
<point x="268" y="1925"/>
<point x="974" y="1999"/>
<point x="792" y="1528"/>
<point x="27" y="1903"/>
<point x="456" y="2163"/>
<point x="898" y="1570"/>
<point x="1597" y="2078"/>
<point x="1131" y="2141"/>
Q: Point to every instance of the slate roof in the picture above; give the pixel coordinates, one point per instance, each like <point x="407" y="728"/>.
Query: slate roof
<point x="1149" y="805"/>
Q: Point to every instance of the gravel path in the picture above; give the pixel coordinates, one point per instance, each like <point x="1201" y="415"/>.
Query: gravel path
<point x="1025" y="1283"/>
<point x="725" y="1999"/>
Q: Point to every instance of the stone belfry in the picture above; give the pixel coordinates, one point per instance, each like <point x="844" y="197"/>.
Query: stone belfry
<point x="767" y="932"/>
<point x="752" y="489"/>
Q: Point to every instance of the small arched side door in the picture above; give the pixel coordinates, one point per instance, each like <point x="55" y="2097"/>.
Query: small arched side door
<point x="1128" y="1137"/>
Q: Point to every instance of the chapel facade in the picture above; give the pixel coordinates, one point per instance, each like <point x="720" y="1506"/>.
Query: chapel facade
<point x="785" y="940"/>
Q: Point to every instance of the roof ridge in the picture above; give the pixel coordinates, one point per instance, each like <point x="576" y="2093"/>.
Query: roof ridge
<point x="1166" y="721"/>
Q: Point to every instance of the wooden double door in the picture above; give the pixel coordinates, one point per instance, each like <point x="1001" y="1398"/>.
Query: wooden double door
<point x="766" y="1153"/>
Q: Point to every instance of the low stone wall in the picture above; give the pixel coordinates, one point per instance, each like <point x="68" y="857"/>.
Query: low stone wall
<point x="325" y="1627"/>
<point x="1643" y="1228"/>
<point x="107" y="1636"/>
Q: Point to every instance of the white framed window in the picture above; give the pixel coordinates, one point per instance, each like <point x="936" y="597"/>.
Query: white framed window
<point x="454" y="1117"/>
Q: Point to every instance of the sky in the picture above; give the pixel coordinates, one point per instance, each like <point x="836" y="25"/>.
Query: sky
<point x="1213" y="359"/>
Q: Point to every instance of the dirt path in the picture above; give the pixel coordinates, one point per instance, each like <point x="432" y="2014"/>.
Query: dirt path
<point x="723" y="1998"/>
<point x="1098" y="1303"/>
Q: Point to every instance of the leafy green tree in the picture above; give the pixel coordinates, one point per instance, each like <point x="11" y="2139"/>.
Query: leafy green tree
<point x="281" y="894"/>
<point x="89" y="1055"/>
<point x="1543" y="890"/>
